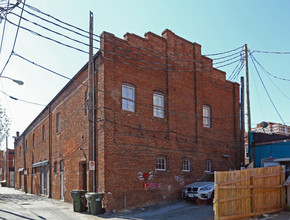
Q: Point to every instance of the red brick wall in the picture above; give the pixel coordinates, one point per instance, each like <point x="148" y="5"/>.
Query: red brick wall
<point x="2" y="165"/>
<point x="128" y="143"/>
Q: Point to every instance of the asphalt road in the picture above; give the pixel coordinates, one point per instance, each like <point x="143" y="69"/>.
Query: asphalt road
<point x="15" y="204"/>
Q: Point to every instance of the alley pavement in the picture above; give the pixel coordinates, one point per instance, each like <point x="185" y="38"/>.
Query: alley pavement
<point x="15" y="205"/>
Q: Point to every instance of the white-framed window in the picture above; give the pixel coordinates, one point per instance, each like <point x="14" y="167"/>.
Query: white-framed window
<point x="186" y="165"/>
<point x="58" y="122"/>
<point x="128" y="98"/>
<point x="206" y="116"/>
<point x="158" y="105"/>
<point x="161" y="163"/>
<point x="208" y="166"/>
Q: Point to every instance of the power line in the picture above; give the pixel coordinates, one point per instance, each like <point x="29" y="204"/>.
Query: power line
<point x="113" y="53"/>
<point x="48" y="38"/>
<point x="151" y="51"/>
<point x="271" y="52"/>
<point x="16" y="35"/>
<point x="17" y="99"/>
<point x="109" y="93"/>
<point x="136" y="65"/>
<point x="63" y="76"/>
<point x="268" y="71"/>
<point x="268" y="75"/>
<point x="3" y="33"/>
<point x="251" y="55"/>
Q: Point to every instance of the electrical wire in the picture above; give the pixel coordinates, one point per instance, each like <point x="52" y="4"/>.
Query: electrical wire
<point x="266" y="90"/>
<point x="237" y="70"/>
<point x="136" y="65"/>
<point x="77" y="28"/>
<point x="17" y="99"/>
<point x="58" y="74"/>
<point x="268" y="75"/>
<point x="48" y="38"/>
<point x="16" y="35"/>
<point x="268" y="72"/>
<point x="271" y="52"/>
<point x="3" y="33"/>
<point x="113" y="53"/>
<point x="103" y="90"/>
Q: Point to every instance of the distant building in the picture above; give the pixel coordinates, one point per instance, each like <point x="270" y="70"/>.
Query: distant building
<point x="273" y="128"/>
<point x="2" y="164"/>
<point x="269" y="150"/>
<point x="7" y="167"/>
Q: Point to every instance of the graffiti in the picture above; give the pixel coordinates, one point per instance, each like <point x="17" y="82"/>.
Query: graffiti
<point x="180" y="180"/>
<point x="151" y="185"/>
<point x="145" y="176"/>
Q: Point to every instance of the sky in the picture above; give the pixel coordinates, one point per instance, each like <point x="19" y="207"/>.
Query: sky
<point x="217" y="25"/>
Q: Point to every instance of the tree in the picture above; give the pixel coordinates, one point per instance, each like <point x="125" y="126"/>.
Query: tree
<point x="4" y="124"/>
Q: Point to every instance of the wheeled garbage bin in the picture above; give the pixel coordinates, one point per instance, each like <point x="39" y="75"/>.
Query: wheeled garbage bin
<point x="79" y="200"/>
<point x="95" y="203"/>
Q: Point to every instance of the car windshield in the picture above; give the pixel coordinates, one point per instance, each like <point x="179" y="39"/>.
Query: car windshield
<point x="206" y="178"/>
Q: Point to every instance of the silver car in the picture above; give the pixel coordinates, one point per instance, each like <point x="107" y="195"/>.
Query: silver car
<point x="202" y="189"/>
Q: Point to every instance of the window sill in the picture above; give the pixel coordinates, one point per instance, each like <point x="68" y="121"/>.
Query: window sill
<point x="186" y="171"/>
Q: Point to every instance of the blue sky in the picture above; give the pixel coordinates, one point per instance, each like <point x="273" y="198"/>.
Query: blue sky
<point x="217" y="25"/>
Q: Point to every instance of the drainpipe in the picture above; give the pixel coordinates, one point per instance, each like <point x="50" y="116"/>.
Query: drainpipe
<point x="49" y="150"/>
<point x="24" y="160"/>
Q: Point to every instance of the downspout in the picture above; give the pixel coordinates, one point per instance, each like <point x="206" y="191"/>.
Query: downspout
<point x="195" y="95"/>
<point x="49" y="150"/>
<point x="95" y="131"/>
<point x="167" y="91"/>
<point x="24" y="160"/>
<point x="235" y="130"/>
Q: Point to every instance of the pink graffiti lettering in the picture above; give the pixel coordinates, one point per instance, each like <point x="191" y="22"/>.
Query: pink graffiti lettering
<point x="151" y="185"/>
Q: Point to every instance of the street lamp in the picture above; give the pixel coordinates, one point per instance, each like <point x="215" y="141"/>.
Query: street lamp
<point x="19" y="82"/>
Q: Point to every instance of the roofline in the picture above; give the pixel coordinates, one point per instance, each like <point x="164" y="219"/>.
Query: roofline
<point x="57" y="95"/>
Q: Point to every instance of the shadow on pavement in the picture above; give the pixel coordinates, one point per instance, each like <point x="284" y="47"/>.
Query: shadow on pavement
<point x="20" y="216"/>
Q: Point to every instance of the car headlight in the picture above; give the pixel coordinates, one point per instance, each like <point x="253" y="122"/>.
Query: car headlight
<point x="206" y="188"/>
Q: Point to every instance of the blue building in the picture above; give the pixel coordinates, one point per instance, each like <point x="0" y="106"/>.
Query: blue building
<point x="269" y="150"/>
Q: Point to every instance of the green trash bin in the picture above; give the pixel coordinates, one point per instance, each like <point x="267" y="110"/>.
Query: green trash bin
<point x="79" y="200"/>
<point x="95" y="203"/>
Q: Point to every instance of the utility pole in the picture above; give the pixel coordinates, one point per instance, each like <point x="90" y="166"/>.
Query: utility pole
<point x="247" y="88"/>
<point x="91" y="116"/>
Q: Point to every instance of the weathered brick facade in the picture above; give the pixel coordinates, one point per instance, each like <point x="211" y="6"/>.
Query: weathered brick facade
<point x="128" y="143"/>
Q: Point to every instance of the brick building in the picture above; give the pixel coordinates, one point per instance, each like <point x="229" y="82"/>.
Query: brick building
<point x="163" y="117"/>
<point x="7" y="167"/>
<point x="2" y="166"/>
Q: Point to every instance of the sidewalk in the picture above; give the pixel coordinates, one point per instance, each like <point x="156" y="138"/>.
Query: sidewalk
<point x="15" y="204"/>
